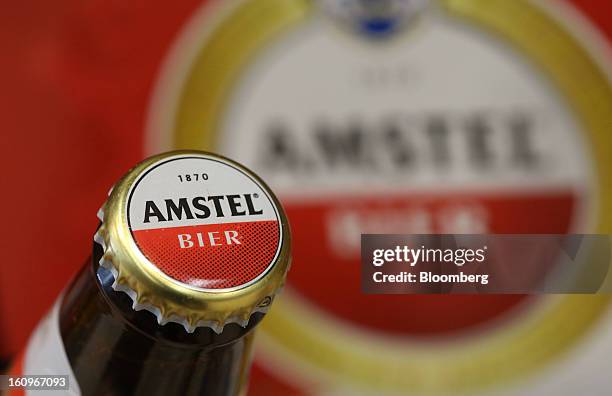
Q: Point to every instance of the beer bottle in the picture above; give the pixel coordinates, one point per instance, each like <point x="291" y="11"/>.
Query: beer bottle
<point x="189" y="253"/>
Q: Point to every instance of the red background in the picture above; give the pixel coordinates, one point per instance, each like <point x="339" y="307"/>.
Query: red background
<point x="76" y="79"/>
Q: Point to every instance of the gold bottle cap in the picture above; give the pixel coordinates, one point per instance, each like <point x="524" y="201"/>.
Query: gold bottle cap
<point x="196" y="239"/>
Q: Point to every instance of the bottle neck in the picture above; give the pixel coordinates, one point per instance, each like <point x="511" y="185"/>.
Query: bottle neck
<point x="114" y="349"/>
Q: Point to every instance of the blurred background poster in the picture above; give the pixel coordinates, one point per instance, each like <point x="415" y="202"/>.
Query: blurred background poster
<point x="386" y="116"/>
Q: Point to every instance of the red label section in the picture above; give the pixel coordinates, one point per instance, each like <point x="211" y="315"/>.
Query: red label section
<point x="324" y="224"/>
<point x="213" y="256"/>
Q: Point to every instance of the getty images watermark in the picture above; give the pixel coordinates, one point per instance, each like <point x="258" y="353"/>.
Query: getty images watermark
<point x="491" y="264"/>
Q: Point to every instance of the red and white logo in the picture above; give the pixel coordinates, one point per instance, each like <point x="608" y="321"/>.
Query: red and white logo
<point x="204" y="222"/>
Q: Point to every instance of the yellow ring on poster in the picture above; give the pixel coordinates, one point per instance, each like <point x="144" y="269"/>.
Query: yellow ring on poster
<point x="491" y="358"/>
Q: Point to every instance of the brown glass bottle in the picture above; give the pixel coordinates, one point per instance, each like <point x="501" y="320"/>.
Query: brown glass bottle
<point x="115" y="350"/>
<point x="149" y="314"/>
